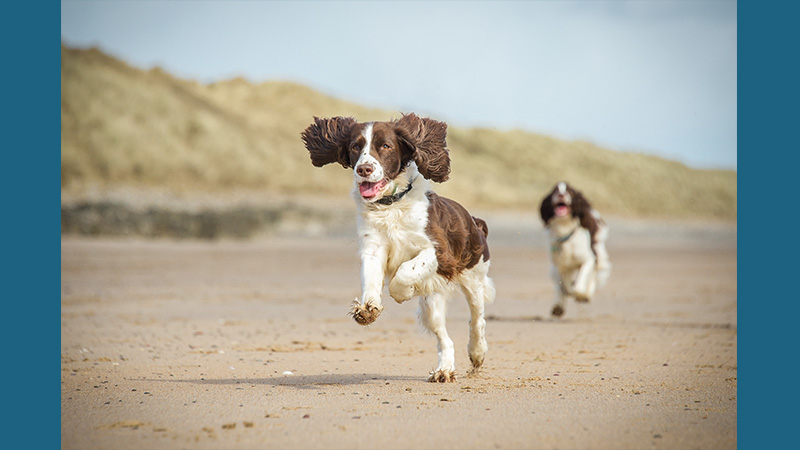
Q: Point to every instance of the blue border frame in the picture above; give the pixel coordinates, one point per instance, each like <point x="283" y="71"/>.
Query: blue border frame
<point x="32" y="225"/>
<point x="767" y="141"/>
<point x="767" y="118"/>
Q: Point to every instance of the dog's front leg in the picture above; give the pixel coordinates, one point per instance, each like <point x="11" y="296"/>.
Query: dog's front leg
<point x="412" y="274"/>
<point x="583" y="288"/>
<point x="561" y="291"/>
<point x="373" y="263"/>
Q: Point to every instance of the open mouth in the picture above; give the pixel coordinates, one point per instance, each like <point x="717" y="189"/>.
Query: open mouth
<point x="370" y="190"/>
<point x="561" y="209"/>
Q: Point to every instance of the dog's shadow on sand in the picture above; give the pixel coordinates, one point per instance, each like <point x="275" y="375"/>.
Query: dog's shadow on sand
<point x="319" y="381"/>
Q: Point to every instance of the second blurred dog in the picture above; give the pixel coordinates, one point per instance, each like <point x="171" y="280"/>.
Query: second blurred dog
<point x="577" y="233"/>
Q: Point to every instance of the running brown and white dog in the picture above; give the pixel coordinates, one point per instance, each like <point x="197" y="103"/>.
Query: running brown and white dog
<point x="578" y="253"/>
<point x="425" y="245"/>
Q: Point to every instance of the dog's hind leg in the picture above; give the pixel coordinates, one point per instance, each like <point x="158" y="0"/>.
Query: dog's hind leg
<point x="479" y="290"/>
<point x="432" y="314"/>
<point x="603" y="264"/>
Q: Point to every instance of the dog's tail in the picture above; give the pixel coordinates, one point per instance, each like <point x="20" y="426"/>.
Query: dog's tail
<point x="482" y="226"/>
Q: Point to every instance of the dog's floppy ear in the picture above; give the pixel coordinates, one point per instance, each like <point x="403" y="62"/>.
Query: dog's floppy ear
<point x="580" y="206"/>
<point x="426" y="139"/>
<point x="546" y="208"/>
<point x="582" y="209"/>
<point x="327" y="139"/>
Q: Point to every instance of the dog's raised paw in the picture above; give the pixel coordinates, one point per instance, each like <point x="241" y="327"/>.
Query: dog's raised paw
<point x="442" y="376"/>
<point x="364" y="314"/>
<point x="400" y="292"/>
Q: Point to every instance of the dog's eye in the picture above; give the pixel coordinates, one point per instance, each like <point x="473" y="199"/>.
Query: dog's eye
<point x="356" y="148"/>
<point x="385" y="147"/>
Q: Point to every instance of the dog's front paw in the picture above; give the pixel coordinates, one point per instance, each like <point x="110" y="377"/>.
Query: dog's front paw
<point x="442" y="376"/>
<point x="365" y="314"/>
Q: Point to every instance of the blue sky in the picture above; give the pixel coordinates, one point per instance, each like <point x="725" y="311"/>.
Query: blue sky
<point x="652" y="76"/>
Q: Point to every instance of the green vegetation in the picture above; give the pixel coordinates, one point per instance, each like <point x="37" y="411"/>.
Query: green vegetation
<point x="121" y="126"/>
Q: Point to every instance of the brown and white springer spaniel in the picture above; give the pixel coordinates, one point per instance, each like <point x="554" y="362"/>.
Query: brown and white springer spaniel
<point x="578" y="253"/>
<point x="424" y="244"/>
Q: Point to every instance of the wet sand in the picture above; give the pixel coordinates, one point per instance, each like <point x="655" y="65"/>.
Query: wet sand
<point x="247" y="345"/>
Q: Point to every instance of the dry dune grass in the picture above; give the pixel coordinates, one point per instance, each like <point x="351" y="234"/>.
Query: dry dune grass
<point x="121" y="126"/>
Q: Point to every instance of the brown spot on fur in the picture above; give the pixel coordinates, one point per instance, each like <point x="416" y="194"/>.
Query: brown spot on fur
<point x="459" y="238"/>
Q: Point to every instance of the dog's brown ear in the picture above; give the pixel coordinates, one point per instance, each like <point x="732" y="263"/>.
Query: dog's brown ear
<point x="580" y="206"/>
<point x="546" y="208"/>
<point x="582" y="209"/>
<point x="327" y="139"/>
<point x="426" y="138"/>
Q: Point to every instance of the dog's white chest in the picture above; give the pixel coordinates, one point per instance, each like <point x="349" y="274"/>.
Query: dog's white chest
<point x="400" y="229"/>
<point x="573" y="250"/>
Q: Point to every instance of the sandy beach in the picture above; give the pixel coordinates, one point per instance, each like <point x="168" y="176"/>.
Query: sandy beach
<point x="191" y="344"/>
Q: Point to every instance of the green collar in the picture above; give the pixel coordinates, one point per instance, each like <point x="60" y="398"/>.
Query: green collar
<point x="395" y="196"/>
<point x="556" y="247"/>
<point x="563" y="239"/>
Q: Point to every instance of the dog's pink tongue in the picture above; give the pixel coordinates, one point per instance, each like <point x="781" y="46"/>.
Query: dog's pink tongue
<point x="562" y="210"/>
<point x="369" y="190"/>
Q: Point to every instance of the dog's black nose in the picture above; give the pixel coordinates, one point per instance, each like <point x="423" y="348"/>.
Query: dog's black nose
<point x="364" y="170"/>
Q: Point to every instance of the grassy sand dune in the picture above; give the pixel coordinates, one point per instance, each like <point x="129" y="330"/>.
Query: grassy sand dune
<point x="145" y="130"/>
